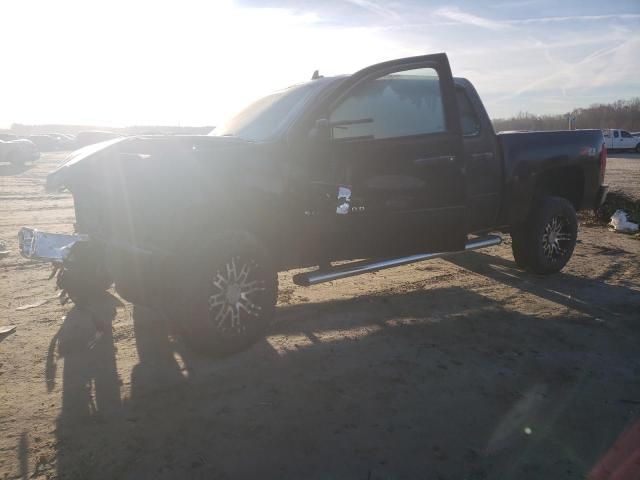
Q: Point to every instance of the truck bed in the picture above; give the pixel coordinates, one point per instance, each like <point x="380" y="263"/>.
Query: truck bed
<point x="571" y="158"/>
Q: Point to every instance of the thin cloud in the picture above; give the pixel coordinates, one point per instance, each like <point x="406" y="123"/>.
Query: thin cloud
<point x="466" y="18"/>
<point x="572" y="18"/>
<point x="457" y="17"/>
<point x="374" y="7"/>
<point x="531" y="43"/>
<point x="571" y="70"/>
<point x="516" y="4"/>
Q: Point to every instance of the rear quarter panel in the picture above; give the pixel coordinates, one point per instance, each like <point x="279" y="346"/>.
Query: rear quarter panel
<point x="527" y="156"/>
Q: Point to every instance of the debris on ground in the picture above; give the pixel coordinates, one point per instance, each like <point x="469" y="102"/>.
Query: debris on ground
<point x="620" y="223"/>
<point x="39" y="303"/>
<point x="6" y="329"/>
<point x="3" y="249"/>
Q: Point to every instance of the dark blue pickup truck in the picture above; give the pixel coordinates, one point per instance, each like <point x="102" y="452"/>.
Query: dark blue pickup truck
<point x="394" y="164"/>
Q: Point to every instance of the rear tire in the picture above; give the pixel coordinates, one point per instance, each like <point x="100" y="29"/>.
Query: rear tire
<point x="638" y="148"/>
<point x="545" y="242"/>
<point x="227" y="296"/>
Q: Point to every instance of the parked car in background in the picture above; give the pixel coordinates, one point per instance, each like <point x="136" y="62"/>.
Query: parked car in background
<point x="65" y="142"/>
<point x="18" y="151"/>
<point x="46" y="143"/>
<point x="90" y="137"/>
<point x="7" y="137"/>
<point x="616" y="139"/>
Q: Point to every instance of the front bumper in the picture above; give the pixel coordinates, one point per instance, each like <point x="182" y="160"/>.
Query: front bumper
<point x="601" y="196"/>
<point x="46" y="247"/>
<point x="139" y="274"/>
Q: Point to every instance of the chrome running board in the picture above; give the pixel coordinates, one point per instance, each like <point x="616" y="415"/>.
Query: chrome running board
<point x="368" y="266"/>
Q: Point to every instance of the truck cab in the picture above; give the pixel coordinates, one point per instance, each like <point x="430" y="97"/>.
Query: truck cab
<point x="616" y="139"/>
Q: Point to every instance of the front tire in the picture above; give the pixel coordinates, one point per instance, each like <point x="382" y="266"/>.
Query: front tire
<point x="545" y="242"/>
<point x="227" y="296"/>
<point x="83" y="277"/>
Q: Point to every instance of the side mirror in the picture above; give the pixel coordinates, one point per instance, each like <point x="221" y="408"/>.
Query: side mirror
<point x="320" y="130"/>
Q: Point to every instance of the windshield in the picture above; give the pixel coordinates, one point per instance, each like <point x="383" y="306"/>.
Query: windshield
<point x="264" y="117"/>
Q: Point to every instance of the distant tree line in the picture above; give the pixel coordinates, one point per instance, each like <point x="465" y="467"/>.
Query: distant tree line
<point x="623" y="114"/>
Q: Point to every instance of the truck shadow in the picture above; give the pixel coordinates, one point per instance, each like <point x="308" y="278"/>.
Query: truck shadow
<point x="589" y="296"/>
<point x="445" y="383"/>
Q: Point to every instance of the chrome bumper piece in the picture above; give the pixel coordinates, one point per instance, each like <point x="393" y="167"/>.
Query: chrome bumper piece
<point x="46" y="247"/>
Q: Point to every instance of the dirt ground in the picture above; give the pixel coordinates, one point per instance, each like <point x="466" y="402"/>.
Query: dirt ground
<point x="623" y="172"/>
<point x="450" y="369"/>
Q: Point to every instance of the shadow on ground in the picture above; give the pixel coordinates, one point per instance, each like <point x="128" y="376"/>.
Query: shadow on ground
<point x="8" y="169"/>
<point x="441" y="383"/>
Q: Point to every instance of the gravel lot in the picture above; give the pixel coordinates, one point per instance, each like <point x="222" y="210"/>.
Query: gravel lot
<point x="466" y="368"/>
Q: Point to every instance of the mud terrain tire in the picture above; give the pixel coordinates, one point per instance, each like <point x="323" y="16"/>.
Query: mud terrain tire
<point x="545" y="242"/>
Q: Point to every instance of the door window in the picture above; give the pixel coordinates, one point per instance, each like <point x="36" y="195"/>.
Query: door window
<point x="625" y="134"/>
<point x="399" y="104"/>
<point x="615" y="133"/>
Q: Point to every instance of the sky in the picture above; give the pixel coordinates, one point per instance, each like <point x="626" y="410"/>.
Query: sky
<point x="194" y="62"/>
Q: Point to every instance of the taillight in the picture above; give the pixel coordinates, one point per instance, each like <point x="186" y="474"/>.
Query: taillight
<point x="603" y="162"/>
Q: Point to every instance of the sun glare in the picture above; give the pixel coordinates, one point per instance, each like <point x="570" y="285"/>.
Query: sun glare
<point x="188" y="63"/>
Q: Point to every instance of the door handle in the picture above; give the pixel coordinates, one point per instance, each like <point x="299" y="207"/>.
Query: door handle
<point x="434" y="161"/>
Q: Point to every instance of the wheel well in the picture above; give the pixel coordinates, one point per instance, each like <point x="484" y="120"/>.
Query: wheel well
<point x="565" y="182"/>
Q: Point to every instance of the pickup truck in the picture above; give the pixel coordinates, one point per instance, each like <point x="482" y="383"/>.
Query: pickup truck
<point x="616" y="139"/>
<point x="394" y="164"/>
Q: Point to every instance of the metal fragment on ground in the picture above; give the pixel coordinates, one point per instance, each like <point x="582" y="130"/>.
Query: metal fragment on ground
<point x="4" y="329"/>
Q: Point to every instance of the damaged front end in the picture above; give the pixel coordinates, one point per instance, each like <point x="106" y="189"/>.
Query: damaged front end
<point x="77" y="260"/>
<point x="134" y="199"/>
<point x="56" y="247"/>
<point x="78" y="268"/>
<point x="47" y="247"/>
